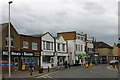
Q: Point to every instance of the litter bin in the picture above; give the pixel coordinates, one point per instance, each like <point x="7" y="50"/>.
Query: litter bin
<point x="41" y="70"/>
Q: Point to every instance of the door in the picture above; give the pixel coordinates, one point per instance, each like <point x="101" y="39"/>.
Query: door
<point x="16" y="63"/>
<point x="52" y="61"/>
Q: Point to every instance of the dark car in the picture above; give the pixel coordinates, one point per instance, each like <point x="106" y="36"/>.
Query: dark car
<point x="113" y="62"/>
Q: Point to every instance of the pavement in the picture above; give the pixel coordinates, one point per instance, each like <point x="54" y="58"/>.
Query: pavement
<point x="75" y="72"/>
<point x="26" y="74"/>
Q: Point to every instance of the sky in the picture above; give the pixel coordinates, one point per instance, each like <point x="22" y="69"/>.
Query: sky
<point x="96" y="18"/>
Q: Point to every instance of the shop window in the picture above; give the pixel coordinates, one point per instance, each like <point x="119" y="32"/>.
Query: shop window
<point x="34" y="46"/>
<point x="46" y="59"/>
<point x="25" y="44"/>
<point x="7" y="41"/>
<point x="48" y="45"/>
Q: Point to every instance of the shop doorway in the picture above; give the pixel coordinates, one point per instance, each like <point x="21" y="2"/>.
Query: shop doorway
<point x="16" y="60"/>
<point x="52" y="61"/>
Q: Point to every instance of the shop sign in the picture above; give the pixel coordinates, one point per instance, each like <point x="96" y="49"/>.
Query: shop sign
<point x="28" y="54"/>
<point x="36" y="54"/>
<point x="14" y="53"/>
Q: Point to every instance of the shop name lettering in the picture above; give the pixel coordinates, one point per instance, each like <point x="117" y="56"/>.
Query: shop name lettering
<point x="28" y="54"/>
<point x="12" y="53"/>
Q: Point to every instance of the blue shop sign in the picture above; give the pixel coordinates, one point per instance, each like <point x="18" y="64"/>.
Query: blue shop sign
<point x="12" y="64"/>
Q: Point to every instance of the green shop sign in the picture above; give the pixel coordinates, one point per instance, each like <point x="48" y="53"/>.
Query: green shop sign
<point x="80" y="54"/>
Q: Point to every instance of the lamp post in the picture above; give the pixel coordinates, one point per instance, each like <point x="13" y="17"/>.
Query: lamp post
<point x="9" y="42"/>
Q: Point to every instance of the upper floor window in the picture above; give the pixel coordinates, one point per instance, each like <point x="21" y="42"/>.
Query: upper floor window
<point x="52" y="45"/>
<point x="34" y="46"/>
<point x="47" y="45"/>
<point x="76" y="47"/>
<point x="25" y="44"/>
<point x="63" y="47"/>
<point x="44" y="45"/>
<point x="81" y="38"/>
<point x="81" y="48"/>
<point x="11" y="41"/>
<point x="58" y="46"/>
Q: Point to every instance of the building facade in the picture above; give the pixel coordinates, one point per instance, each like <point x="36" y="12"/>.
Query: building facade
<point x="47" y="50"/>
<point x="30" y="48"/>
<point x="15" y="45"/>
<point x="105" y="52"/>
<point x="76" y="46"/>
<point x="61" y="51"/>
<point x="116" y="52"/>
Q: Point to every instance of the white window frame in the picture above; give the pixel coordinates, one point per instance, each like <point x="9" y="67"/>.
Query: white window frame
<point x="34" y="46"/>
<point x="7" y="40"/>
<point x="25" y="44"/>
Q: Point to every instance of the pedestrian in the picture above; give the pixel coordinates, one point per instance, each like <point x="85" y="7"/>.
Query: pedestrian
<point x="31" y="66"/>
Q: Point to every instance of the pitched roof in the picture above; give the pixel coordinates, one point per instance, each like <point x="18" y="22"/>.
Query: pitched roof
<point x="101" y="44"/>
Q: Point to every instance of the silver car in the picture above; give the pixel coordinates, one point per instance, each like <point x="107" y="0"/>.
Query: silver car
<point x="113" y="62"/>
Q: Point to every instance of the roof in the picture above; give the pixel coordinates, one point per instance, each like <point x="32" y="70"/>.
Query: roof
<point x="4" y="25"/>
<point x="37" y="35"/>
<point x="67" y="32"/>
<point x="40" y="35"/>
<point x="102" y="44"/>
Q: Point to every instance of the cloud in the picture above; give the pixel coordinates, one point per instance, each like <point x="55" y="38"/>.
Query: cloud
<point x="97" y="18"/>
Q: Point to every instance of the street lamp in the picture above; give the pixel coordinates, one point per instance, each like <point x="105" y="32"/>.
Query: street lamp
<point x="9" y="42"/>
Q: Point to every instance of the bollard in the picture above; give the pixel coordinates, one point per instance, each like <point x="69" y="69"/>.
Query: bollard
<point x="48" y="68"/>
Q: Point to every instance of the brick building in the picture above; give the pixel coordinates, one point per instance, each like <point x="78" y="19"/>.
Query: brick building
<point x="104" y="50"/>
<point x="116" y="51"/>
<point x="15" y="45"/>
<point x="30" y="48"/>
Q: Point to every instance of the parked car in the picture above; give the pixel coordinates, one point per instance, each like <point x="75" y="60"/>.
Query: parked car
<point x="113" y="62"/>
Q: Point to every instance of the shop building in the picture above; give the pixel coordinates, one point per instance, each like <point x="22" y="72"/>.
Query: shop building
<point x="116" y="52"/>
<point x="105" y="51"/>
<point x="47" y="50"/>
<point x="30" y="49"/>
<point x="76" y="46"/>
<point x="15" y="45"/>
<point x="90" y="50"/>
<point x="61" y="51"/>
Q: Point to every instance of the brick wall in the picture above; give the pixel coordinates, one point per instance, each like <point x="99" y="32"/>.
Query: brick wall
<point x="30" y="40"/>
<point x="67" y="35"/>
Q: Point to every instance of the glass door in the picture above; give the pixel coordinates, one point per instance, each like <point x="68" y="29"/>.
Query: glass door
<point x="16" y="63"/>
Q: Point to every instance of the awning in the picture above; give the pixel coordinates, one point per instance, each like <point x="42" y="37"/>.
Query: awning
<point x="80" y="54"/>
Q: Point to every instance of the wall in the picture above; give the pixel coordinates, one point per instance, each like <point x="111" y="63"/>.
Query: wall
<point x="67" y="35"/>
<point x="15" y="36"/>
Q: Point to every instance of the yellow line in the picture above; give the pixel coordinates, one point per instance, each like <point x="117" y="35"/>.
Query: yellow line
<point x="47" y="74"/>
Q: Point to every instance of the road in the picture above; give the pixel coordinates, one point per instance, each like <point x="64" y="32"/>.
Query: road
<point x="96" y="71"/>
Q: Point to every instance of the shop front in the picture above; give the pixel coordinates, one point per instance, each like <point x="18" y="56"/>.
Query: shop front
<point x="47" y="59"/>
<point x="80" y="58"/>
<point x="61" y="58"/>
<point x="30" y="57"/>
<point x="15" y="60"/>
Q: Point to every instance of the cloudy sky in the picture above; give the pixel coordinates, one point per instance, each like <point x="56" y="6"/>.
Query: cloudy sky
<point x="97" y="18"/>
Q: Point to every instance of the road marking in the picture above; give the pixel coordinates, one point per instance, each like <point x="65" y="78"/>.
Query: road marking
<point x="47" y="74"/>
